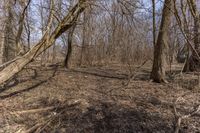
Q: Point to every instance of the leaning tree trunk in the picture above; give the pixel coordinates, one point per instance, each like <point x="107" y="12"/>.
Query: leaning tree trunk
<point x="44" y="43"/>
<point x="158" y="69"/>
<point x="193" y="62"/>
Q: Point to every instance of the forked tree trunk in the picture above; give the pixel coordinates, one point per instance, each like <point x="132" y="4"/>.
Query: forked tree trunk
<point x="20" y="48"/>
<point x="43" y="44"/>
<point x="158" y="69"/>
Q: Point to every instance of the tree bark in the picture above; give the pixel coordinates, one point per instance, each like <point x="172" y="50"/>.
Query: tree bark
<point x="159" y="64"/>
<point x="21" y="48"/>
<point x="193" y="62"/>
<point x="44" y="43"/>
<point x="7" y="48"/>
<point x="154" y="22"/>
<point x="69" y="48"/>
<point x="83" y="44"/>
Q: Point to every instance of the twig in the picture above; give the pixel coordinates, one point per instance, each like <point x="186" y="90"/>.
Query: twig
<point x="41" y="110"/>
<point x="40" y="126"/>
<point x="179" y="118"/>
<point x="31" y="111"/>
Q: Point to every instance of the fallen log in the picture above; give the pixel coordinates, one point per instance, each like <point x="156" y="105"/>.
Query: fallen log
<point x="46" y="42"/>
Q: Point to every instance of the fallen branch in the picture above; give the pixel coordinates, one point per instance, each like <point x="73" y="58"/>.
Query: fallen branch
<point x="179" y="118"/>
<point x="41" y="110"/>
<point x="41" y="125"/>
<point x="101" y="73"/>
<point x="31" y="111"/>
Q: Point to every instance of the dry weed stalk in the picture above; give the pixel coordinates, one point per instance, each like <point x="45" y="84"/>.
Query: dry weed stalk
<point x="180" y="117"/>
<point x="59" y="110"/>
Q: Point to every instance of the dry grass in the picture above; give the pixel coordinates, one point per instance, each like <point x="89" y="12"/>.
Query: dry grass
<point x="103" y="104"/>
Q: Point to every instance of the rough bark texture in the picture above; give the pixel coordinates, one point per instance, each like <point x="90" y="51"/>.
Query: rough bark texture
<point x="7" y="46"/>
<point x="158" y="70"/>
<point x="2" y="50"/>
<point x="154" y="23"/>
<point x="193" y="62"/>
<point x="83" y="45"/>
<point x="44" y="43"/>
<point x="20" y="48"/>
<point x="69" y="48"/>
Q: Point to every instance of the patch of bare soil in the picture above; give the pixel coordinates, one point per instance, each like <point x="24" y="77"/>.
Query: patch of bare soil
<point x="100" y="100"/>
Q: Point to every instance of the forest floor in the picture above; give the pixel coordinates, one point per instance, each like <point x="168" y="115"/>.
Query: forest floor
<point x="54" y="99"/>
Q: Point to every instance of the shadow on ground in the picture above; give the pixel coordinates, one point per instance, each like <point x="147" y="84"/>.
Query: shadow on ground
<point x="15" y="82"/>
<point x="107" y="117"/>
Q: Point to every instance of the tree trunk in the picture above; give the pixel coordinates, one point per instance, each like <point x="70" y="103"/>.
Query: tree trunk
<point x="193" y="62"/>
<point x="154" y="22"/>
<point x="159" y="64"/>
<point x="44" y="43"/>
<point x="7" y="47"/>
<point x="20" y="48"/>
<point x="69" y="48"/>
<point x="69" y="41"/>
<point x="83" y="45"/>
<point x="2" y="50"/>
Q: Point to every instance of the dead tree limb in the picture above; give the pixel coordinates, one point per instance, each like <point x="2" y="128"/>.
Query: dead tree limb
<point x="179" y="118"/>
<point x="186" y="39"/>
<point x="39" y="126"/>
<point x="46" y="109"/>
<point x="64" y="25"/>
<point x="7" y="63"/>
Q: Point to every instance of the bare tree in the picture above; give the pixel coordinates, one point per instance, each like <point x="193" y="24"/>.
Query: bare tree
<point x="69" y="46"/>
<point x="159" y="64"/>
<point x="44" y="43"/>
<point x="20" y="47"/>
<point x="193" y="63"/>
<point x="7" y="46"/>
<point x="154" y="23"/>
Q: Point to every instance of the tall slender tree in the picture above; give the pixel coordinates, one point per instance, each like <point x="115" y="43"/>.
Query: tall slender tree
<point x="154" y="22"/>
<point x="7" y="48"/>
